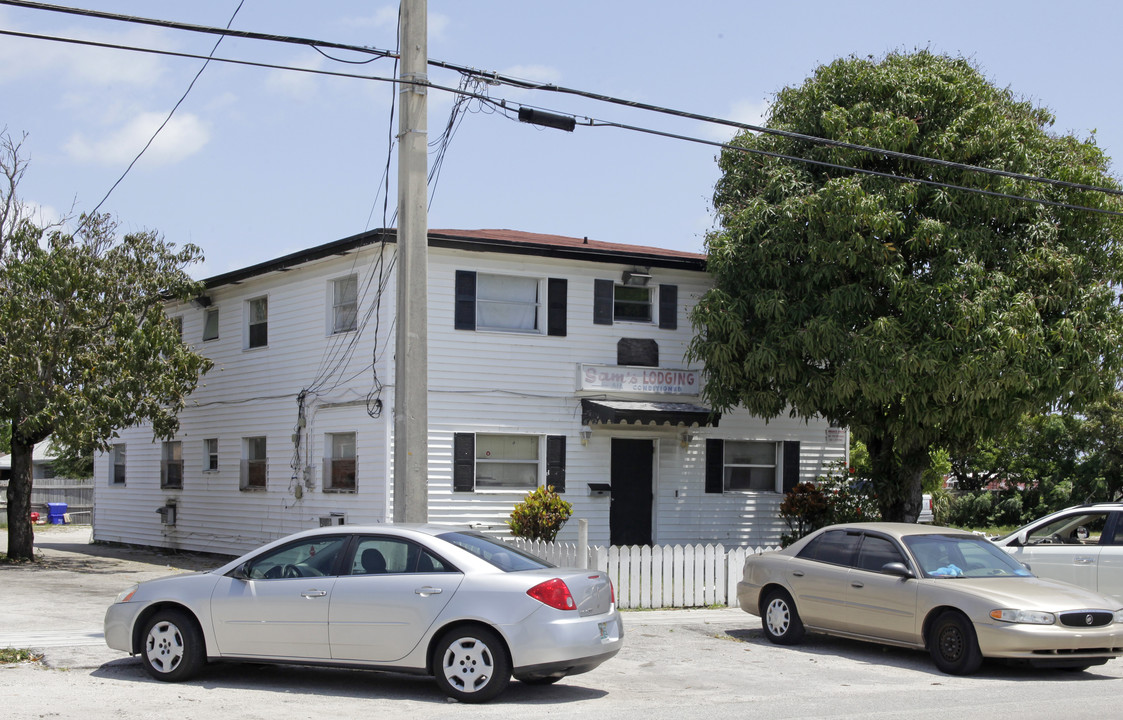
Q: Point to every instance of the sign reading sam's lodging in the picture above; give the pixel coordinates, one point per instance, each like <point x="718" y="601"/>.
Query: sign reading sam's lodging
<point x="649" y="381"/>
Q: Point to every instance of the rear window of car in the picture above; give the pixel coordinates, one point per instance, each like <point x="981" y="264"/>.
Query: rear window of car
<point x="498" y="553"/>
<point x="834" y="546"/>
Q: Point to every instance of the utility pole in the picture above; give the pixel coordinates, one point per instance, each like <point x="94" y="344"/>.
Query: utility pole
<point x="411" y="355"/>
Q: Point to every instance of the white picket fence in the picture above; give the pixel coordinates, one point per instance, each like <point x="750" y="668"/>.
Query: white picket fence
<point x="658" y="576"/>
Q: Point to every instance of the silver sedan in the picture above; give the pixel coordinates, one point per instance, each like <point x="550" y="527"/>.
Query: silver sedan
<point x="465" y="608"/>
<point x="951" y="592"/>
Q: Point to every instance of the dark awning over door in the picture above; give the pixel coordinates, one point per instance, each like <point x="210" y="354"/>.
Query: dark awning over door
<point x="646" y="413"/>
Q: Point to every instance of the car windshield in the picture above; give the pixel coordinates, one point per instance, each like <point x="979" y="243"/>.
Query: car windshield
<point x="959" y="556"/>
<point x="498" y="553"/>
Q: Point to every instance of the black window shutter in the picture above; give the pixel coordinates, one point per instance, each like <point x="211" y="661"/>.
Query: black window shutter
<point x="465" y="313"/>
<point x="603" y="291"/>
<point x="556" y="289"/>
<point x="791" y="464"/>
<point x="715" y="465"/>
<point x="463" y="462"/>
<point x="555" y="462"/>
<point x="668" y="307"/>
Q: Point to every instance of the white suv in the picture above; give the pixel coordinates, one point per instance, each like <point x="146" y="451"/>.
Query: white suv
<point x="1082" y="545"/>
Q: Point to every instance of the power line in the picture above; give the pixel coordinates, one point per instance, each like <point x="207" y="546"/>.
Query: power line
<point x="494" y="77"/>
<point x="850" y="168"/>
<point x="504" y="107"/>
<point x="189" y="27"/>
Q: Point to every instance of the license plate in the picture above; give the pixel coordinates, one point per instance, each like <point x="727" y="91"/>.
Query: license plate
<point x="603" y="630"/>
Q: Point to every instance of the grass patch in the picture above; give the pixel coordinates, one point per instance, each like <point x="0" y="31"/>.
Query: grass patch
<point x="9" y="656"/>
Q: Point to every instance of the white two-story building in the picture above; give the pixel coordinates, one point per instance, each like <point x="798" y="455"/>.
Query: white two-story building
<point x="552" y="360"/>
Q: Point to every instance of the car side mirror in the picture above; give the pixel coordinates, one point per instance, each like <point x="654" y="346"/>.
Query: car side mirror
<point x="242" y="572"/>
<point x="897" y="568"/>
<point x="1022" y="538"/>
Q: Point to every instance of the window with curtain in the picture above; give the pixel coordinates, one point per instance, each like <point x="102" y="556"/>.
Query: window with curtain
<point x="507" y="462"/>
<point x="506" y="302"/>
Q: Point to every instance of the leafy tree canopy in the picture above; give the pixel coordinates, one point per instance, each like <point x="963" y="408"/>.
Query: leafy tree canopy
<point x="918" y="316"/>
<point x="88" y="348"/>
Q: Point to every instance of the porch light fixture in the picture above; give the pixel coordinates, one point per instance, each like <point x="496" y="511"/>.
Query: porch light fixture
<point x="686" y="438"/>
<point x="635" y="278"/>
<point x="586" y="433"/>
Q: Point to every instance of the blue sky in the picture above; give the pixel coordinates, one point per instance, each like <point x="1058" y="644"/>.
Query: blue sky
<point x="257" y="163"/>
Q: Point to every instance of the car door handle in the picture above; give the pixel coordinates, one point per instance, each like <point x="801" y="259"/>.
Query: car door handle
<point x="1084" y="560"/>
<point x="313" y="593"/>
<point x="427" y="591"/>
<point x="857" y="584"/>
<point x="797" y="573"/>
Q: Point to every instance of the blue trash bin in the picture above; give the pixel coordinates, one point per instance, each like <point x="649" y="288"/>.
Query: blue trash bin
<point x="56" y="513"/>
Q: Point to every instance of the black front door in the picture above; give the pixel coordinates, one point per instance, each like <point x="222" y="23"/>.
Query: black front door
<point x="630" y="517"/>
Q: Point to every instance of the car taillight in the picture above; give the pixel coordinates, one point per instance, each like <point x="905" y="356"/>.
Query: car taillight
<point x="611" y="591"/>
<point x="554" y="593"/>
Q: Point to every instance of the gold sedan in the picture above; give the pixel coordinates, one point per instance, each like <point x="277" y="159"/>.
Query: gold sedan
<point x="947" y="591"/>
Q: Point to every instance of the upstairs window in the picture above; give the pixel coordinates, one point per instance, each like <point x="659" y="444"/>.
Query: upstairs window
<point x="510" y="303"/>
<point x="614" y="302"/>
<point x="210" y="324"/>
<point x="339" y="467"/>
<point x="631" y="304"/>
<point x="171" y="465"/>
<point x="345" y="304"/>
<point x="506" y="302"/>
<point x="257" y="323"/>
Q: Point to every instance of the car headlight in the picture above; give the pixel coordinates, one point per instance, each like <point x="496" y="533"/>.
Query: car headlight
<point x="1031" y="617"/>
<point x="127" y="595"/>
<point x="1119" y="616"/>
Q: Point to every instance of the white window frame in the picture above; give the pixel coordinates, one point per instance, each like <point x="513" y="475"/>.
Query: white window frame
<point x="776" y="465"/>
<point x="210" y="455"/>
<point x="484" y="304"/>
<point x="118" y="458"/>
<point x="251" y="324"/>
<point x="208" y="313"/>
<point x="347" y="309"/>
<point x="650" y="304"/>
<point x="339" y="458"/>
<point x="538" y="463"/>
<point x="171" y="464"/>
<point x="250" y="462"/>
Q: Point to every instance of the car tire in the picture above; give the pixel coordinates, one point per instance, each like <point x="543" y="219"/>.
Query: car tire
<point x="953" y="644"/>
<point x="173" y="646"/>
<point x="780" y="619"/>
<point x="471" y="664"/>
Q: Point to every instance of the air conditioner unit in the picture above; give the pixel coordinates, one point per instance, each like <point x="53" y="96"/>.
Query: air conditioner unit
<point x="335" y="518"/>
<point x="167" y="514"/>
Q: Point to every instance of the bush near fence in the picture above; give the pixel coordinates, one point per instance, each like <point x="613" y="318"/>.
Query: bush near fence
<point x="658" y="576"/>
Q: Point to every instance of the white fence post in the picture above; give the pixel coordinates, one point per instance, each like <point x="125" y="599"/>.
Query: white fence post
<point x="656" y="576"/>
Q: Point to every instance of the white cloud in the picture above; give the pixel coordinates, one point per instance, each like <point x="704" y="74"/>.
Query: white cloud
<point x="183" y="136"/>
<point x="85" y="66"/>
<point x="296" y="85"/>
<point x="742" y="111"/>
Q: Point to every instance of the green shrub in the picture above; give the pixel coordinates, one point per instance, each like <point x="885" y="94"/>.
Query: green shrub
<point x="540" y="515"/>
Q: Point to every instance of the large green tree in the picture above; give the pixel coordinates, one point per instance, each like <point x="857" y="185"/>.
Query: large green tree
<point x="87" y="348"/>
<point x="919" y="316"/>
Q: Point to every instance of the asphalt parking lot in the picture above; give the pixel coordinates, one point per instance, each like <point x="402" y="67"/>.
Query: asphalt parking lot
<point x="675" y="664"/>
